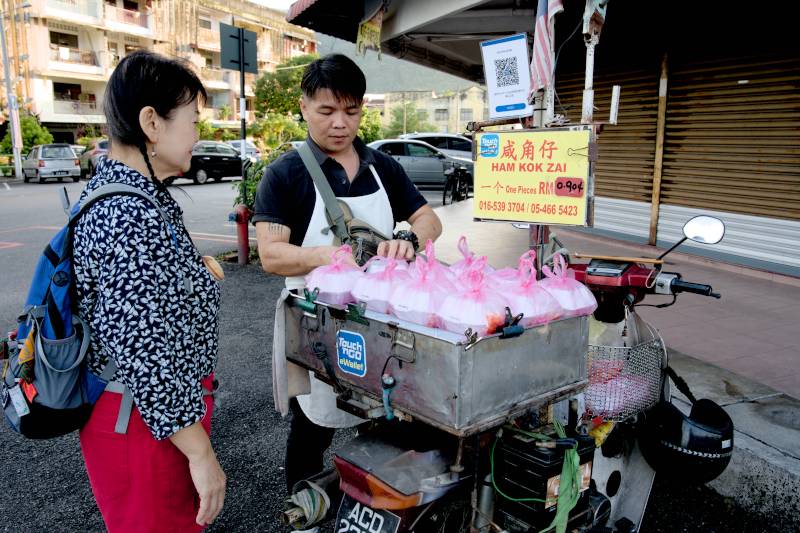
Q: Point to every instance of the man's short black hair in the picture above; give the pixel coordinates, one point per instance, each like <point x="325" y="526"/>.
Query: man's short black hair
<point x="337" y="73"/>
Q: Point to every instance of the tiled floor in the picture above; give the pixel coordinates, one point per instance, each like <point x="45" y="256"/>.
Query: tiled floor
<point x="753" y="330"/>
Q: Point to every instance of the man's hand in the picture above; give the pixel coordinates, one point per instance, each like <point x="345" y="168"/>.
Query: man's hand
<point x="326" y="253"/>
<point x="396" y="249"/>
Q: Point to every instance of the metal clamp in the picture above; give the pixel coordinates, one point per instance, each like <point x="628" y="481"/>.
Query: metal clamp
<point x="404" y="339"/>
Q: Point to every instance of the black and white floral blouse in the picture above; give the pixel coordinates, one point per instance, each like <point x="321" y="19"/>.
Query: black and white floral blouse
<point x="131" y="292"/>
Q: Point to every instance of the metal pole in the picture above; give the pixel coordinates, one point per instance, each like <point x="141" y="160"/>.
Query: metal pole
<point x="243" y="240"/>
<point x="12" y="102"/>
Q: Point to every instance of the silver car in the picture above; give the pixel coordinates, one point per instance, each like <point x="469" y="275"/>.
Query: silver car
<point x="423" y="163"/>
<point x="51" y="161"/>
<point x="449" y="143"/>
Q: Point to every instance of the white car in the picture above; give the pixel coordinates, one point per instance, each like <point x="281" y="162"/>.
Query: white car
<point x="51" y="161"/>
<point x="424" y="164"/>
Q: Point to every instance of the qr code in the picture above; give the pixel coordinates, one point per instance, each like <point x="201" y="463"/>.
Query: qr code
<point x="507" y="71"/>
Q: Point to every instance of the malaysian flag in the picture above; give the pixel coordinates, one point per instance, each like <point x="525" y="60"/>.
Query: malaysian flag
<point x="542" y="62"/>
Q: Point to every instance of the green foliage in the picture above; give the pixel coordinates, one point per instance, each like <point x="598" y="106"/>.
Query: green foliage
<point x="246" y="188"/>
<point x="370" y="128"/>
<point x="205" y="130"/>
<point x="223" y="135"/>
<point x="415" y="121"/>
<point x="224" y="112"/>
<point x="274" y="129"/>
<point x="279" y="91"/>
<point x="33" y="133"/>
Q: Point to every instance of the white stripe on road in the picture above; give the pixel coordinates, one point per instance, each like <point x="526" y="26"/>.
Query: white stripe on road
<point x="8" y="187"/>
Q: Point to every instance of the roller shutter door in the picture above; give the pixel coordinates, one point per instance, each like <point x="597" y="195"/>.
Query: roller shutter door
<point x="732" y="138"/>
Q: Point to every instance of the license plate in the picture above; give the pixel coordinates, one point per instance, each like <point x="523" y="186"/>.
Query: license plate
<point x="61" y="172"/>
<point x="354" y="517"/>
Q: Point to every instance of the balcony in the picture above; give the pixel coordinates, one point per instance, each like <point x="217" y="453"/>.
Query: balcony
<point x="216" y="78"/>
<point x="128" y="21"/>
<point x="208" y="39"/>
<point x="66" y="54"/>
<point x="88" y="11"/>
<point x="76" y="107"/>
<point x="75" y="63"/>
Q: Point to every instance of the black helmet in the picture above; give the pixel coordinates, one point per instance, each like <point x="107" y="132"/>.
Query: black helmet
<point x="693" y="449"/>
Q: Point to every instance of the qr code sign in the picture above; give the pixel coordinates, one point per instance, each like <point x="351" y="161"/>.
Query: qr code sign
<point x="507" y="71"/>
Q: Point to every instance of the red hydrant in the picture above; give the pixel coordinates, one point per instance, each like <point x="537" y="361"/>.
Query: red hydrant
<point x="241" y="215"/>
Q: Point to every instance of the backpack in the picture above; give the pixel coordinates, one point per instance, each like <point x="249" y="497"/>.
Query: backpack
<point x="47" y="389"/>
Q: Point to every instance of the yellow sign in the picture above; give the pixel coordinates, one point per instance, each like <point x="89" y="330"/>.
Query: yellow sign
<point x="540" y="176"/>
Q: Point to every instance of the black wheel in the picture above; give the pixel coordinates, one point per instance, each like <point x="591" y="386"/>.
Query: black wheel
<point x="60" y="179"/>
<point x="76" y="179"/>
<point x="449" y="190"/>
<point x="41" y="179"/>
<point x="25" y="177"/>
<point x="89" y="171"/>
<point x="463" y="189"/>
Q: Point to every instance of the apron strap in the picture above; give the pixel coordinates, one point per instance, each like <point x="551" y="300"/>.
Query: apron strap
<point x="328" y="197"/>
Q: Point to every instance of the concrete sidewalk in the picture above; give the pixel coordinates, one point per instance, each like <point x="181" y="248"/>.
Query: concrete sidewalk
<point x="740" y="351"/>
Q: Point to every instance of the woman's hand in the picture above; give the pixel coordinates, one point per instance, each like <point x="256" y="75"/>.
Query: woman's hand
<point x="207" y="475"/>
<point x="209" y="481"/>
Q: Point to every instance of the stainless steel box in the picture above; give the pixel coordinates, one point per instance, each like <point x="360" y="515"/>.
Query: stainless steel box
<point x="460" y="385"/>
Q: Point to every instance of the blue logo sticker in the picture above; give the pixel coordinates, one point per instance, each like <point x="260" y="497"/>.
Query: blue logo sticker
<point x="351" y="352"/>
<point x="490" y="145"/>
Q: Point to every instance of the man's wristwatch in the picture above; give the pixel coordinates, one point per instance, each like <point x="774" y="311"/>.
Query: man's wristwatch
<point x="410" y="236"/>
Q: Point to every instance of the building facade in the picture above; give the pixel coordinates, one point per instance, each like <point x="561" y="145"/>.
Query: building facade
<point x="447" y="111"/>
<point x="63" y="52"/>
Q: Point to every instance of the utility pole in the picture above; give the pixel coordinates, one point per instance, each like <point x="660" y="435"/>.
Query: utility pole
<point x="13" y="109"/>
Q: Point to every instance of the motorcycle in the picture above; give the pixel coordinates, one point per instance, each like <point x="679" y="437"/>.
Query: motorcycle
<point x="563" y="457"/>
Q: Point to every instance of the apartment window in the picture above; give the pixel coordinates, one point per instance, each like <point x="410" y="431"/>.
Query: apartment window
<point x="204" y="23"/>
<point x="208" y="61"/>
<point x="466" y="115"/>
<point x="130" y="6"/>
<point x="66" y="91"/>
<point x="64" y="39"/>
<point x="441" y="114"/>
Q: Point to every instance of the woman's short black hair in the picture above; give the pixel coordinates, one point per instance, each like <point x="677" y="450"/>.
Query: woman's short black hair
<point x="144" y="79"/>
<point x="339" y="74"/>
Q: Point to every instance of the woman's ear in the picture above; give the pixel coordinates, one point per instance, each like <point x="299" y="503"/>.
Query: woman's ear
<point x="150" y="123"/>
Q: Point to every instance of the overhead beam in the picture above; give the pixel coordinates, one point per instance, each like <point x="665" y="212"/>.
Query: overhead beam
<point x="412" y="14"/>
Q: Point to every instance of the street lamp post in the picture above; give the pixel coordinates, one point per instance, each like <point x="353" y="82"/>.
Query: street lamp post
<point x="13" y="109"/>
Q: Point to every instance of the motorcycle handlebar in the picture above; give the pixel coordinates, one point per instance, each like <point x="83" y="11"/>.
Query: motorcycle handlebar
<point x="678" y="285"/>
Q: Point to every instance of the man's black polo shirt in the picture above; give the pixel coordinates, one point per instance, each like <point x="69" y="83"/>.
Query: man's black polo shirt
<point x="286" y="193"/>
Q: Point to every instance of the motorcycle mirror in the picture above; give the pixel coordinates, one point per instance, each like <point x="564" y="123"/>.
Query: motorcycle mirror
<point x="704" y="229"/>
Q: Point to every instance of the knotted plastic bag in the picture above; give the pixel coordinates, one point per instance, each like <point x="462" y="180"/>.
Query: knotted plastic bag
<point x="418" y="299"/>
<point x="375" y="287"/>
<point x="527" y="296"/>
<point x="336" y="280"/>
<point x="469" y="259"/>
<point x="476" y="304"/>
<point x="573" y="296"/>
<point x="504" y="277"/>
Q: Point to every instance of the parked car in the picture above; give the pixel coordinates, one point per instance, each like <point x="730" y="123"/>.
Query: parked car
<point x="91" y="156"/>
<point x="213" y="160"/>
<point x="250" y="148"/>
<point x="78" y="149"/>
<point x="449" y="143"/>
<point x="423" y="163"/>
<point x="51" y="161"/>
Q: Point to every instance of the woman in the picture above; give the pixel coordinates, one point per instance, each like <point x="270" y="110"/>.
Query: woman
<point x="152" y="308"/>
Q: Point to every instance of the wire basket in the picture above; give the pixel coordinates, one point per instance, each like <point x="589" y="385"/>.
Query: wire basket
<point x="625" y="380"/>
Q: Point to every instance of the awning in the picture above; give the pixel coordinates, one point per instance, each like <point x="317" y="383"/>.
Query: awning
<point x="331" y="17"/>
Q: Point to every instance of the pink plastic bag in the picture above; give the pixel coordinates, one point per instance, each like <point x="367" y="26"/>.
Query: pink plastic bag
<point x="336" y="280"/>
<point x="375" y="287"/>
<point x="573" y="296"/>
<point x="461" y="266"/>
<point x="505" y="276"/>
<point x="528" y="297"/>
<point x="475" y="304"/>
<point x="418" y="299"/>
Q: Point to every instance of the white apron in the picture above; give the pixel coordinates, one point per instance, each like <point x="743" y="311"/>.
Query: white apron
<point x="376" y="210"/>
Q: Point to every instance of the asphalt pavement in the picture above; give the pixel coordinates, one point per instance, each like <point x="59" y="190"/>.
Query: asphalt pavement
<point x="44" y="484"/>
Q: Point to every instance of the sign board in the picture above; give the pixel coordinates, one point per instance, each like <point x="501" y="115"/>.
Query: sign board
<point x="351" y="353"/>
<point x="230" y="48"/>
<point x="506" y="68"/>
<point x="534" y="176"/>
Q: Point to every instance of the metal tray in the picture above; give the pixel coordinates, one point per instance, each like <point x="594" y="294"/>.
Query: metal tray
<point x="459" y="384"/>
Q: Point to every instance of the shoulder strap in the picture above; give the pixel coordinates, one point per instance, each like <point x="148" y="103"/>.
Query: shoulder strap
<point x="116" y="189"/>
<point x="331" y="203"/>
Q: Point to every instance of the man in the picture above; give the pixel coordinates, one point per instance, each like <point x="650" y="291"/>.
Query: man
<point x="294" y="235"/>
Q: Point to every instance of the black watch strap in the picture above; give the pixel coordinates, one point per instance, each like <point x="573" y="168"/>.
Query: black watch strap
<point x="410" y="236"/>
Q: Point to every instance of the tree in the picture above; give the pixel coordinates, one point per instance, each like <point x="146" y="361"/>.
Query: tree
<point x="415" y="120"/>
<point x="370" y="128"/>
<point x="205" y="130"/>
<point x="279" y="91"/>
<point x="33" y="133"/>
<point x="274" y="129"/>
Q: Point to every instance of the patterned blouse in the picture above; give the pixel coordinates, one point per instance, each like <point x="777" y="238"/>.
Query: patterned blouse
<point x="132" y="294"/>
